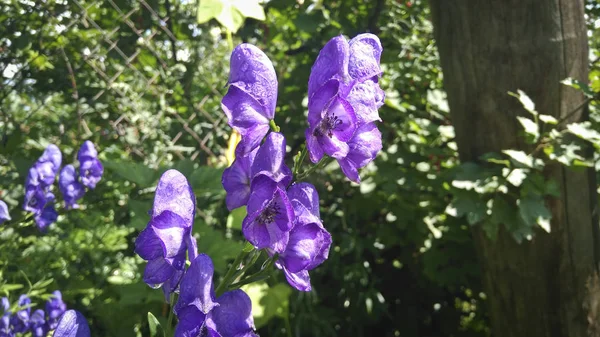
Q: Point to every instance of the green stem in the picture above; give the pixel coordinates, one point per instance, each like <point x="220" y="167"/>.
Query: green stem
<point x="170" y="318"/>
<point x="260" y="275"/>
<point x="324" y="161"/>
<point x="229" y="39"/>
<point x="300" y="160"/>
<point x="229" y="276"/>
<point x="274" y="126"/>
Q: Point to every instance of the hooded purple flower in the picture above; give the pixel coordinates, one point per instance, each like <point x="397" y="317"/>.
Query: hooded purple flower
<point x="44" y="171"/>
<point x="363" y="148"/>
<point x="250" y="101"/>
<point x="200" y="314"/>
<point x="20" y="320"/>
<point x="37" y="324"/>
<point x="168" y="235"/>
<point x="267" y="160"/>
<point x="344" y="95"/>
<point x="72" y="324"/>
<point x="4" y="214"/>
<point x="309" y="242"/>
<point x="70" y="187"/>
<point x="270" y="215"/>
<point x="55" y="307"/>
<point x="6" y="329"/>
<point x="90" y="167"/>
<point x="47" y="217"/>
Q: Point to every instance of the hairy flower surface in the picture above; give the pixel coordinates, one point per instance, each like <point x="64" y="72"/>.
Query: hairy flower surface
<point x="201" y="314"/>
<point x="252" y="95"/>
<point x="90" y="167"/>
<point x="55" y="307"/>
<point x="167" y="237"/>
<point x="72" y="324"/>
<point x="4" y="214"/>
<point x="270" y="215"/>
<point x="70" y="187"/>
<point x="309" y="241"/>
<point x="344" y="96"/>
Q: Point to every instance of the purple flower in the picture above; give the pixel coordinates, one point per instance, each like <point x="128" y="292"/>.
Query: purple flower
<point x="53" y="155"/>
<point x="90" y="168"/>
<point x="270" y="215"/>
<point x="70" y="187"/>
<point x="55" y="307"/>
<point x="250" y="101"/>
<point x="47" y="216"/>
<point x="309" y="242"/>
<point x="344" y="96"/>
<point x="267" y="160"/>
<point x="72" y="324"/>
<point x="6" y="329"/>
<point x="43" y="172"/>
<point x="163" y="243"/>
<point x="200" y="314"/>
<point x="37" y="324"/>
<point x="20" y="320"/>
<point x="4" y="214"/>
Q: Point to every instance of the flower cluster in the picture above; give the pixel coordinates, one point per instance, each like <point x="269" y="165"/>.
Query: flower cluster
<point x="39" y="199"/>
<point x="164" y="244"/>
<point x="39" y="323"/>
<point x="344" y="98"/>
<point x="343" y="101"/>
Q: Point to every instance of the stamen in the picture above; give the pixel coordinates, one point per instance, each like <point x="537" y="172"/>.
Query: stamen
<point x="269" y="214"/>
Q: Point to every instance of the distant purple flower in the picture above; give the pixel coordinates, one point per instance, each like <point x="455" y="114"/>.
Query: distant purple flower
<point x="6" y="329"/>
<point x="20" y="320"/>
<point x="344" y="95"/>
<point x="270" y="215"/>
<point x="309" y="242"/>
<point x="250" y="101"/>
<point x="266" y="160"/>
<point x="53" y="155"/>
<point x="72" y="324"/>
<point x="4" y="214"/>
<point x="200" y="314"/>
<point x="70" y="187"/>
<point x="47" y="216"/>
<point x="163" y="243"/>
<point x="37" y="324"/>
<point x="55" y="307"/>
<point x="90" y="168"/>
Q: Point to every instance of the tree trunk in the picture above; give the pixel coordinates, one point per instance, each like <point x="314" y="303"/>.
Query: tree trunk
<point x="490" y="47"/>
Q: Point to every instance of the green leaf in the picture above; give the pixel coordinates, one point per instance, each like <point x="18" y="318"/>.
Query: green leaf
<point x="548" y="119"/>
<point x="576" y="84"/>
<point x="140" y="216"/>
<point x="533" y="211"/>
<point x="585" y="131"/>
<point x="154" y="325"/>
<point x="525" y="100"/>
<point x="216" y="245"/>
<point x="531" y="128"/>
<point x="136" y="173"/>
<point x="230" y="13"/>
<point x="469" y="204"/>
<point x="235" y="218"/>
<point x="268" y="302"/>
<point x="207" y="180"/>
<point x="522" y="158"/>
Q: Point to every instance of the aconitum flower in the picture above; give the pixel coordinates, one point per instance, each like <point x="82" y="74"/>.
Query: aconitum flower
<point x="71" y="189"/>
<point x="72" y="324"/>
<point x="6" y="329"/>
<point x="4" y="214"/>
<point x="55" y="307"/>
<point x="250" y="101"/>
<point x="270" y="215"/>
<point x="20" y="320"/>
<point x="90" y="167"/>
<point x="163" y="243"/>
<point x="309" y="242"/>
<point x="344" y="96"/>
<point x="37" y="324"/>
<point x="201" y="314"/>
<point x="268" y="160"/>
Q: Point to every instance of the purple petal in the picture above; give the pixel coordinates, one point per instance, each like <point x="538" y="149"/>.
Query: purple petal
<point x="55" y="307"/>
<point x="88" y="150"/>
<point x="171" y="285"/>
<point x="172" y="231"/>
<point x="285" y="215"/>
<point x="196" y="288"/>
<point x="236" y="180"/>
<point x="4" y="214"/>
<point x="333" y="147"/>
<point x="242" y="110"/>
<point x="72" y="324"/>
<point x="262" y="191"/>
<point x="315" y="152"/>
<point x="190" y="322"/>
<point x="364" y="147"/>
<point x="252" y="139"/>
<point x="158" y="271"/>
<point x="37" y="324"/>
<point x="342" y="112"/>
<point x="365" y="53"/>
<point x="306" y="194"/>
<point x="318" y="103"/>
<point x="366" y="98"/>
<point x="20" y="320"/>
<point x="69" y="186"/>
<point x="90" y="171"/>
<point x="53" y="155"/>
<point x="253" y="72"/>
<point x="45" y="173"/>
<point x="264" y="236"/>
<point x="304" y="245"/>
<point x="174" y="194"/>
<point x="270" y="160"/>
<point x="46" y="217"/>
<point x="332" y="62"/>
<point x="299" y="280"/>
<point x="233" y="316"/>
<point x="148" y="244"/>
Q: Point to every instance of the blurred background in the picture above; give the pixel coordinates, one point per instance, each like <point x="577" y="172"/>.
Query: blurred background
<point x="143" y="80"/>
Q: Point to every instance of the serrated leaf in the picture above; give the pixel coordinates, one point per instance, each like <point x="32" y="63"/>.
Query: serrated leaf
<point x="468" y="204"/>
<point x="230" y="13"/>
<point x="136" y="173"/>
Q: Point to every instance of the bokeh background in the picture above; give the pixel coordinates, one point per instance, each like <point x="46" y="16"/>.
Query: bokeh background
<point x="143" y="80"/>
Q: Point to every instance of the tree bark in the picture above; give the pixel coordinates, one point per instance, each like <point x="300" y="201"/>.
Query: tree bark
<point x="490" y="47"/>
